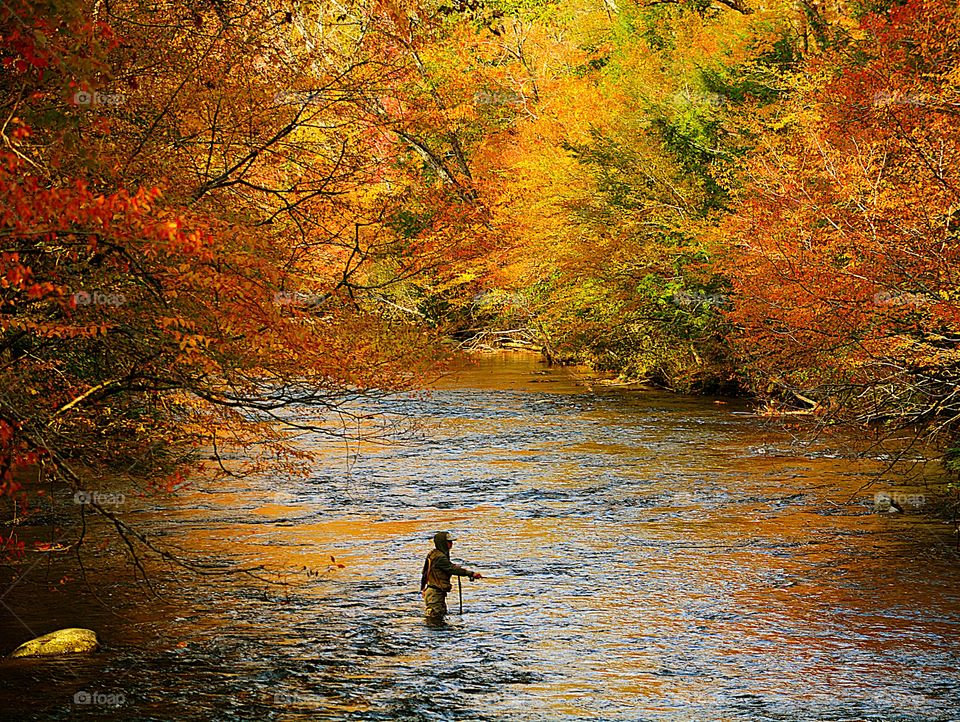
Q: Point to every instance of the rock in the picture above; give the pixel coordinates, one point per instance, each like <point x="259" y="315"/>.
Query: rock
<point x="883" y="503"/>
<point x="63" y="641"/>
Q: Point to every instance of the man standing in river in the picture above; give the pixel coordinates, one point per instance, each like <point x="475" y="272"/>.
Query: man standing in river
<point x="435" y="580"/>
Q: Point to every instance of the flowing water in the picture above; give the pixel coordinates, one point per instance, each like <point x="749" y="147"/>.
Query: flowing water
<point x="650" y="557"/>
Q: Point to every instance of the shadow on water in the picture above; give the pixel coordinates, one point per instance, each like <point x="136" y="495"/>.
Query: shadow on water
<point x="649" y="557"/>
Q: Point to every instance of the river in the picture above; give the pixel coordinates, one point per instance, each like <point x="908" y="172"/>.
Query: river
<point x="650" y="557"/>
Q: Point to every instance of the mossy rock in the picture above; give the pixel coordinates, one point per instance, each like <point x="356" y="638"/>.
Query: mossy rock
<point x="63" y="641"/>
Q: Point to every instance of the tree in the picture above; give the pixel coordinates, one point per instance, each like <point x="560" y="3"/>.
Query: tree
<point x="613" y="184"/>
<point x="191" y="206"/>
<point x="846" y="260"/>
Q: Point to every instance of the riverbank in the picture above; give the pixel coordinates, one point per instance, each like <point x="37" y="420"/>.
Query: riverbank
<point x="920" y="469"/>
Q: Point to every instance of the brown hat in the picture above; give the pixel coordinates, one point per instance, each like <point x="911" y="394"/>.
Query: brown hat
<point x="441" y="540"/>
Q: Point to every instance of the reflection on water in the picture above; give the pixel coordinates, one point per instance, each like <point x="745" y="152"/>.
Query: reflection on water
<point x="650" y="558"/>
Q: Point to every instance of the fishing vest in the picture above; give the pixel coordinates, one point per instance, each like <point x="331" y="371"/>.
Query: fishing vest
<point x="433" y="577"/>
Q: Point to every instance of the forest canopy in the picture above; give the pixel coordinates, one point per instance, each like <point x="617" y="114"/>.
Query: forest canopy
<point x="224" y="221"/>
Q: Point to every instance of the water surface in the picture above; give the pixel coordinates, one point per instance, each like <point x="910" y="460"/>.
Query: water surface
<point x="651" y="557"/>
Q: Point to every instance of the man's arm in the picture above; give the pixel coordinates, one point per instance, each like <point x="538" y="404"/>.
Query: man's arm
<point x="446" y="566"/>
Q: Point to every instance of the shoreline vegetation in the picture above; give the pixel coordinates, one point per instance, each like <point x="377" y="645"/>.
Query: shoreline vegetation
<point x="910" y="463"/>
<point x="224" y="225"/>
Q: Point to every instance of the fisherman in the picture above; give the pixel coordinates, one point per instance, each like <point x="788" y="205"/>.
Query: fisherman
<point x="435" y="580"/>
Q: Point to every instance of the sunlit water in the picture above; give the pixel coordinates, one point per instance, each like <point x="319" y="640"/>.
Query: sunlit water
<point x="650" y="557"/>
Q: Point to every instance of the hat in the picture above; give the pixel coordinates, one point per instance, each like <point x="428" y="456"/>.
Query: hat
<point x="441" y="538"/>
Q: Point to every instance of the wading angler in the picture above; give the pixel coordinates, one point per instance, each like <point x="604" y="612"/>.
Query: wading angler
<point x="435" y="579"/>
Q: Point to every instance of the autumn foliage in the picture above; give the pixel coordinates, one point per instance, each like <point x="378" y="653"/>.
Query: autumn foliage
<point x="201" y="211"/>
<point x="223" y="223"/>
<point x="846" y="227"/>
